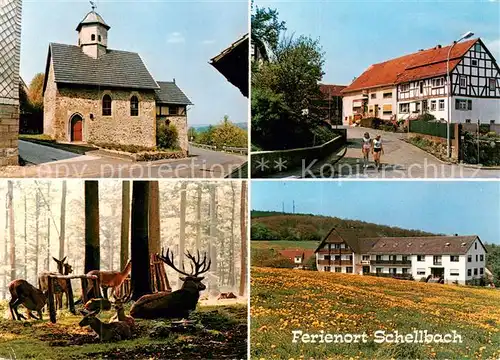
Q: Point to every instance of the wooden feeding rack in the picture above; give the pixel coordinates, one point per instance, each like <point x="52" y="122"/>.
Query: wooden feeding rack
<point x="84" y="281"/>
<point x="159" y="279"/>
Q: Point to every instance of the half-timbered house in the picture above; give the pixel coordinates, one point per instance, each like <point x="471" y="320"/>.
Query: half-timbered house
<point x="417" y="84"/>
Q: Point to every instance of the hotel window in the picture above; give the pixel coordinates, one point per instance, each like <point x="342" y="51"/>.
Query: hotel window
<point x="388" y="95"/>
<point x="393" y="270"/>
<point x="338" y="269"/>
<point x="454" y="258"/>
<point x="348" y="269"/>
<point x="404" y="108"/>
<point x="405" y="258"/>
<point x="454" y="272"/>
<point x="366" y="257"/>
<point x="336" y="246"/>
<point x="469" y="272"/>
<point x="481" y="271"/>
<point x="481" y="257"/>
<point x="439" y="82"/>
<point x="420" y="257"/>
<point x="433" y="105"/>
<point x="378" y="270"/>
<point x="441" y="105"/>
<point x="326" y="257"/>
<point x="420" y="271"/>
<point x="463" y="81"/>
<point x="392" y="257"/>
<point x="493" y="84"/>
<point x="373" y="96"/>
<point x="475" y="271"/>
<point x="326" y="268"/>
<point x="405" y="270"/>
<point x="379" y="257"/>
<point x="473" y="62"/>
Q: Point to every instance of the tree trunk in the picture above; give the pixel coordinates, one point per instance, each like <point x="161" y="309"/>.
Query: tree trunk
<point x="62" y="230"/>
<point x="232" y="280"/>
<point x="182" y="225"/>
<point x="140" y="278"/>
<point x="6" y="247"/>
<point x="198" y="217"/>
<point x="243" y="215"/>
<point x="92" y="251"/>
<point x="154" y="217"/>
<point x="212" y="246"/>
<point x="48" y="244"/>
<point x="25" y="237"/>
<point x="125" y="229"/>
<point x="37" y="231"/>
<point x="12" y="233"/>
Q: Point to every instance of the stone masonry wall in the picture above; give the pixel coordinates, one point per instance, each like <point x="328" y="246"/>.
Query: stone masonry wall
<point x="180" y="123"/>
<point x="9" y="130"/>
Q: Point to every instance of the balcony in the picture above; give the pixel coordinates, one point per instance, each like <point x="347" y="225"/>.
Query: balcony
<point x="334" y="251"/>
<point x="390" y="262"/>
<point x="437" y="263"/>
<point x="334" y="262"/>
<point x="365" y="262"/>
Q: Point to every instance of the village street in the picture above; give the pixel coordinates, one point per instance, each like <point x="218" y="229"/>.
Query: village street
<point x="400" y="160"/>
<point x="48" y="162"/>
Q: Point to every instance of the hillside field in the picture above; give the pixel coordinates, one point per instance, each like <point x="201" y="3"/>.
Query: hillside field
<point x="284" y="244"/>
<point x="283" y="300"/>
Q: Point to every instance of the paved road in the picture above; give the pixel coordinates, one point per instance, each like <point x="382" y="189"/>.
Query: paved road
<point x="400" y="160"/>
<point x="50" y="162"/>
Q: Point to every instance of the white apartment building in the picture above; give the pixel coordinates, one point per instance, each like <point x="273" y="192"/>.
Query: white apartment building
<point x="418" y="82"/>
<point x="451" y="258"/>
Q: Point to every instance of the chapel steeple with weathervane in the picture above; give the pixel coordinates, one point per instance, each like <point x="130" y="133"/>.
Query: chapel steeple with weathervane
<point x="93" y="34"/>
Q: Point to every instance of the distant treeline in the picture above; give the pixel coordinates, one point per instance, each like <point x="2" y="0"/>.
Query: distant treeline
<point x="224" y="134"/>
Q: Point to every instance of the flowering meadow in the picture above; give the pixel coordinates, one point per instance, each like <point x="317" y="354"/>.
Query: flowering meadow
<point x="284" y="300"/>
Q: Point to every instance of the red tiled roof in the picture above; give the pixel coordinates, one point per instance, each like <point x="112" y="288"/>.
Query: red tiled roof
<point x="419" y="65"/>
<point x="291" y="253"/>
<point x="331" y="90"/>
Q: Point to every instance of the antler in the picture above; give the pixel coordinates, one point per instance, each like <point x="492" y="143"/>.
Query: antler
<point x="169" y="260"/>
<point x="199" y="267"/>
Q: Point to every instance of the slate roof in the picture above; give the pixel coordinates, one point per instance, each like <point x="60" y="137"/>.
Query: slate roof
<point x="425" y="245"/>
<point x="169" y="93"/>
<point x="92" y="18"/>
<point x="361" y="246"/>
<point x="116" y="68"/>
<point x="419" y="65"/>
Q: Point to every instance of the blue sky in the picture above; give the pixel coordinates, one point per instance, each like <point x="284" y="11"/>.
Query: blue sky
<point x="356" y="34"/>
<point x="463" y="207"/>
<point x="176" y="39"/>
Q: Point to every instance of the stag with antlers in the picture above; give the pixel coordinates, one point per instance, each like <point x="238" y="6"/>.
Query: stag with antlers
<point x="177" y="304"/>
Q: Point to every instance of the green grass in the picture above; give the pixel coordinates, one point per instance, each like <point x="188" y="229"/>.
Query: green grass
<point x="284" y="300"/>
<point x="284" y="244"/>
<point x="222" y="334"/>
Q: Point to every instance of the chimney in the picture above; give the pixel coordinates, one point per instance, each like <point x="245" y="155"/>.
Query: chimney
<point x="174" y="80"/>
<point x="438" y="46"/>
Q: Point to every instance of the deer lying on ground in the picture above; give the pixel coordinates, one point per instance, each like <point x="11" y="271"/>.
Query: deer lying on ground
<point x="228" y="295"/>
<point x="23" y="293"/>
<point x="97" y="304"/>
<point x="177" y="304"/>
<point x="120" y="315"/>
<point x="110" y="279"/>
<point x="115" y="331"/>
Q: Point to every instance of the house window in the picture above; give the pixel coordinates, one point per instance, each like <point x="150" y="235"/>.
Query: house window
<point x="475" y="271"/>
<point x="392" y="257"/>
<point x="477" y="257"/>
<point x="441" y="105"/>
<point x="404" y="108"/>
<point x="481" y="271"/>
<point x="493" y="84"/>
<point x="405" y="87"/>
<point x="469" y="258"/>
<point x="420" y="257"/>
<point x="338" y="269"/>
<point x="393" y="270"/>
<point x="462" y="104"/>
<point x="469" y="272"/>
<point x="106" y="105"/>
<point x="348" y="269"/>
<point x="420" y="271"/>
<point x="421" y="85"/>
<point x="405" y="270"/>
<point x="92" y="37"/>
<point x="379" y="257"/>
<point x="173" y="110"/>
<point x="417" y="107"/>
<point x="373" y="96"/>
<point x="477" y="47"/>
<point x="99" y="38"/>
<point x="454" y="258"/>
<point x="378" y="270"/>
<point x="454" y="272"/>
<point x="326" y="268"/>
<point x="388" y="95"/>
<point x="437" y="260"/>
<point x="474" y="62"/>
<point x="366" y="257"/>
<point x="326" y="257"/>
<point x="481" y="257"/>
<point x="433" y="105"/>
<point x="463" y="81"/>
<point x="405" y="258"/>
<point x="134" y="106"/>
<point x="438" y="82"/>
<point x="475" y="246"/>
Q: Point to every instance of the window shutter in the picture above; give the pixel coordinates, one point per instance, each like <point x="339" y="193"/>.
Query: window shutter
<point x="457" y="104"/>
<point x="469" y="104"/>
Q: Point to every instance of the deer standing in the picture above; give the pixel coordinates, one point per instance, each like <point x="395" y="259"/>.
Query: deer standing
<point x="115" y="331"/>
<point x="60" y="285"/>
<point x="177" y="304"/>
<point x="23" y="293"/>
<point x="110" y="279"/>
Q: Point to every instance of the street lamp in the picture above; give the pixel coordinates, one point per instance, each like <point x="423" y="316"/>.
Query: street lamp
<point x="467" y="35"/>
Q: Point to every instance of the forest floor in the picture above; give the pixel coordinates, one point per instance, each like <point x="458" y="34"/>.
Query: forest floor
<point x="221" y="333"/>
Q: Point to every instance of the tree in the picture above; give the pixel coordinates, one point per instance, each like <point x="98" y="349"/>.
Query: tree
<point x="35" y="91"/>
<point x="140" y="278"/>
<point x="243" y="215"/>
<point x="228" y="134"/>
<point x="12" y="234"/>
<point x="182" y="224"/>
<point x="266" y="27"/>
<point x="192" y="135"/>
<point x="92" y="250"/>
<point x="62" y="231"/>
<point x="198" y="216"/>
<point x="154" y="217"/>
<point x="125" y="224"/>
<point x="231" y="245"/>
